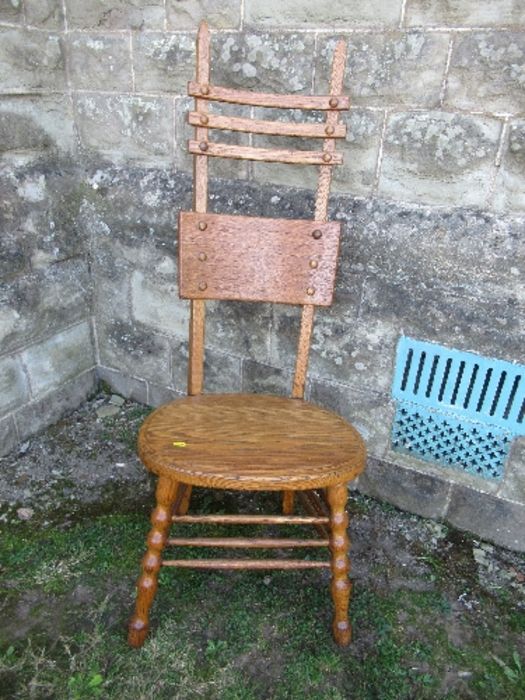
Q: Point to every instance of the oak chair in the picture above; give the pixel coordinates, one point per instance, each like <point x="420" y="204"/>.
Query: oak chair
<point x="254" y="442"/>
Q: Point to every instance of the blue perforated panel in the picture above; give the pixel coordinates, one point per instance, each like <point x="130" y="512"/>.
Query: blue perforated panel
<point x="456" y="408"/>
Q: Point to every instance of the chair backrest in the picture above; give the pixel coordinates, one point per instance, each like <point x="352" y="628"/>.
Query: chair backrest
<point x="288" y="261"/>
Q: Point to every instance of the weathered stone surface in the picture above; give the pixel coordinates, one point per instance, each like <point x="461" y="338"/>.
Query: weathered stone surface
<point x="158" y="395"/>
<point x="11" y="10"/>
<point x="156" y="303"/>
<point x="509" y="187"/>
<point x="424" y="494"/>
<point x="487" y="72"/>
<point x="134" y="350"/>
<point x="491" y="328"/>
<point x="125" y="128"/>
<point x="312" y="14"/>
<point x="490" y="517"/>
<point x="34" y="305"/>
<point x="239" y="328"/>
<point x="369" y="412"/>
<point x="466" y="13"/>
<point x="45" y="13"/>
<point x="386" y="69"/>
<point x="14" y="389"/>
<point x="263" y="61"/>
<point x="37" y="415"/>
<point x="220" y="14"/>
<point x="439" y="158"/>
<point x="36" y="125"/>
<point x="222" y="373"/>
<point x="513" y="485"/>
<point x="163" y="62"/>
<point x="461" y="251"/>
<point x="115" y="14"/>
<point x="8" y="435"/>
<point x="30" y="60"/>
<point x="99" y="62"/>
<point x="59" y="359"/>
<point x="258" y="378"/>
<point x="129" y="387"/>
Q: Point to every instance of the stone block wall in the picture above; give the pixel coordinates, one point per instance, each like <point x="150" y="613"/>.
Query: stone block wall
<point x="431" y="196"/>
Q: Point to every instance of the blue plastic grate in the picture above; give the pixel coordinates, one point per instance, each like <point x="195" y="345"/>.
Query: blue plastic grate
<point x="456" y="408"/>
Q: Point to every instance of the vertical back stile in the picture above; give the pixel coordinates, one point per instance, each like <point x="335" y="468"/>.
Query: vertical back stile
<point x="321" y="214"/>
<point x="200" y="204"/>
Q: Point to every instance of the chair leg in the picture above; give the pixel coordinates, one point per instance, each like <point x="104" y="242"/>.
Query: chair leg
<point x="182" y="503"/>
<point x="151" y="563"/>
<point x="288" y="502"/>
<point x="339" y="546"/>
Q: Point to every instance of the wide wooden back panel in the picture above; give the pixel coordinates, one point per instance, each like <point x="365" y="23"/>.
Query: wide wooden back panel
<point x="288" y="261"/>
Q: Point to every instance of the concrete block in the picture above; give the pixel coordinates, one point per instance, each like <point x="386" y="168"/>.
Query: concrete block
<point x="58" y="359"/>
<point x="34" y="305"/>
<point x="487" y="72"/>
<point x="467" y="13"/>
<point x="99" y="62"/>
<point x="45" y="13"/>
<point x="239" y="328"/>
<point x="37" y="415"/>
<point x="123" y="128"/>
<point x="482" y="325"/>
<point x="157" y="304"/>
<point x="163" y="62"/>
<point x="36" y="125"/>
<point x="11" y="11"/>
<point x="220" y="14"/>
<point x="8" y="435"/>
<point x="513" y="485"/>
<point x="123" y="384"/>
<point x="509" y="188"/>
<point x="407" y="489"/>
<point x="159" y="395"/>
<point x="311" y="14"/>
<point x="14" y="389"/>
<point x="258" y="378"/>
<point x="439" y="158"/>
<point x="133" y="350"/>
<point x="222" y="373"/>
<point x="30" y="60"/>
<point x="263" y="61"/>
<point x="369" y="412"/>
<point x="404" y="68"/>
<point x="489" y="517"/>
<point x="115" y="14"/>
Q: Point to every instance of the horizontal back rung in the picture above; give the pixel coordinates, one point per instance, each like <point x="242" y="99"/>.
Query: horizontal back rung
<point x="269" y="155"/>
<point x="261" y="99"/>
<point x="246" y="564"/>
<point x="260" y="126"/>
<point x="244" y="542"/>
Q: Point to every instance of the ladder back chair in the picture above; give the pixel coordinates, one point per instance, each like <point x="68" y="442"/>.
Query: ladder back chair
<point x="254" y="442"/>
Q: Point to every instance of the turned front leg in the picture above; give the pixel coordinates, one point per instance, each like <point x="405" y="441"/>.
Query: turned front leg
<point x="151" y="563"/>
<point x="339" y="546"/>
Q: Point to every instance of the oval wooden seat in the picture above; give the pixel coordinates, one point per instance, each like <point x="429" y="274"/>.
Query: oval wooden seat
<point x="252" y="442"/>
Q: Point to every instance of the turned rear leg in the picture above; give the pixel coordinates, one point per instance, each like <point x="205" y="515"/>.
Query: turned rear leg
<point x="151" y="563"/>
<point x="339" y="546"/>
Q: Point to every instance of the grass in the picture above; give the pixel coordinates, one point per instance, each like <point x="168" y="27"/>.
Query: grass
<point x="69" y="593"/>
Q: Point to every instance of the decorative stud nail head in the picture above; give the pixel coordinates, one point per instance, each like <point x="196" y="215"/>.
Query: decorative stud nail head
<point x="314" y="264"/>
<point x="310" y="291"/>
<point x="326" y="156"/>
<point x="202" y="286"/>
<point x="203" y="145"/>
<point x="329" y="130"/>
<point x="317" y="234"/>
<point x="204" y="119"/>
<point x="203" y="257"/>
<point x="205" y="90"/>
<point x="202" y="226"/>
<point x="333" y="102"/>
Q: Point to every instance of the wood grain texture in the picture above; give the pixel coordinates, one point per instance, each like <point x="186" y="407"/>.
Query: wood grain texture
<point x="245" y="542"/>
<point x="216" y="93"/>
<point x="151" y="563"/>
<point x="261" y="126"/>
<point x="250" y="442"/>
<point x="290" y="261"/>
<point x="268" y="155"/>
<point x="303" y="351"/>
<point x="288" y="502"/>
<point x="258" y="564"/>
<point x="250" y="519"/>
<point x="339" y="544"/>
